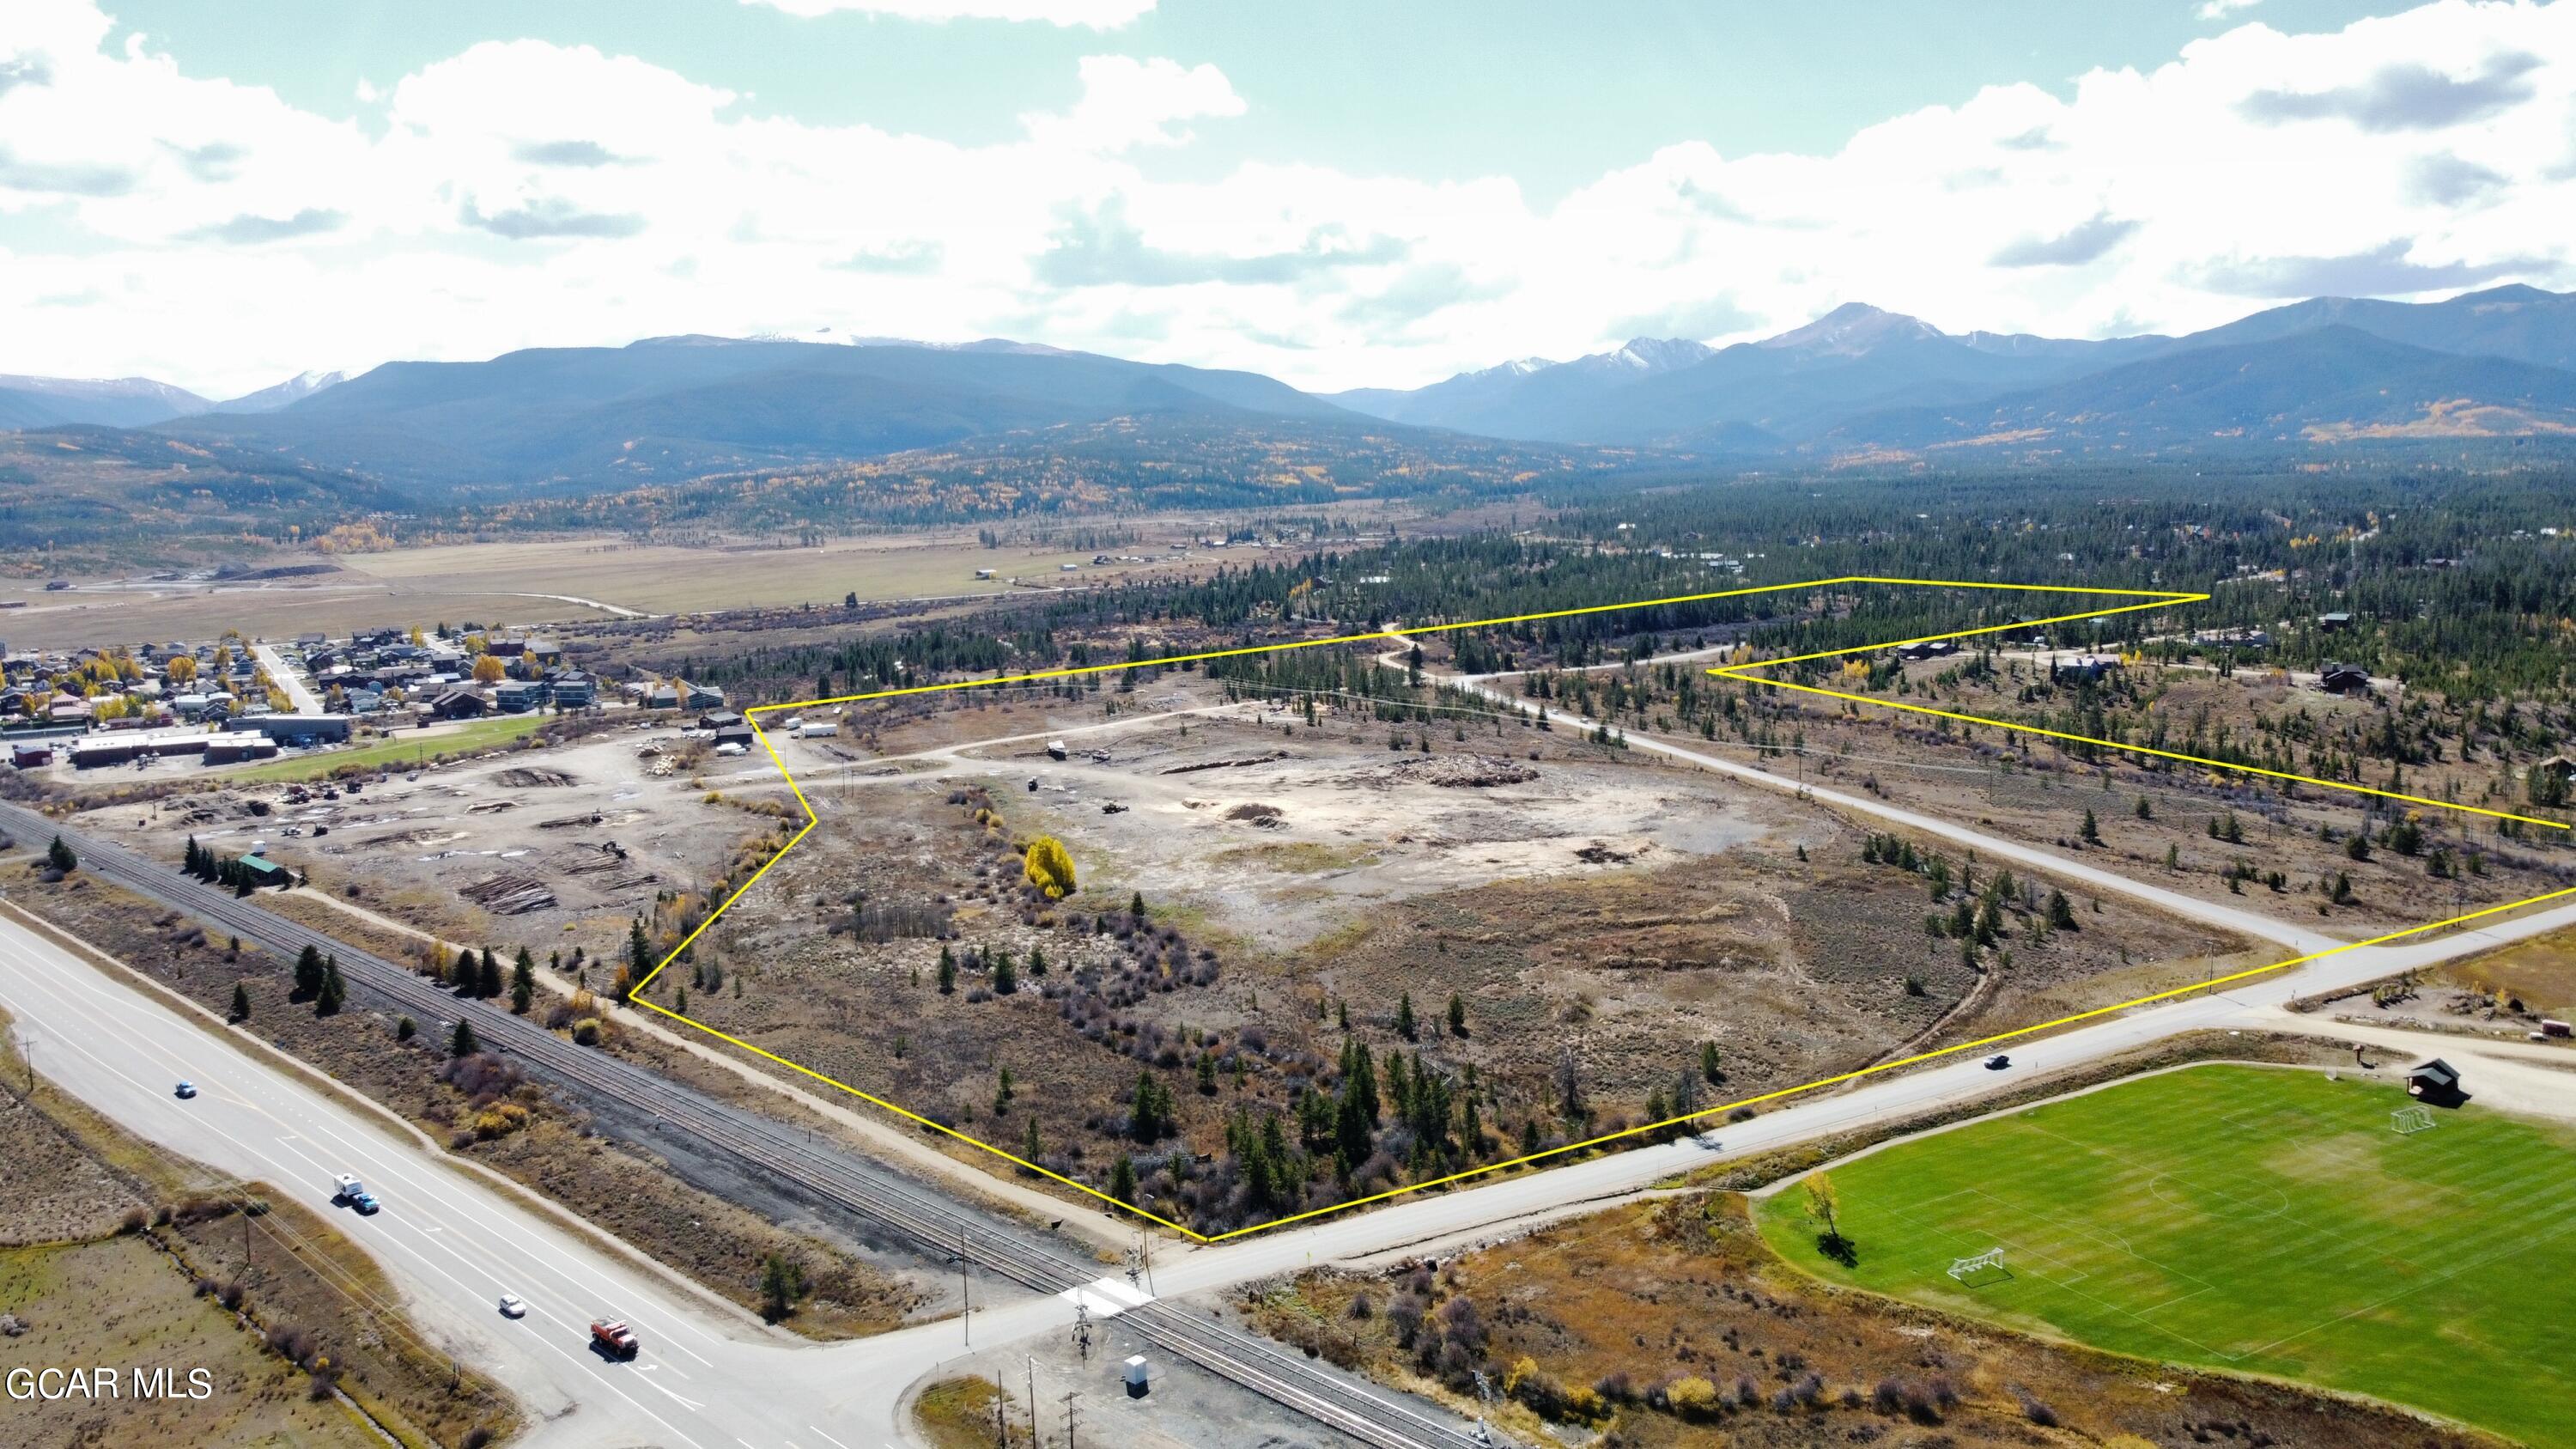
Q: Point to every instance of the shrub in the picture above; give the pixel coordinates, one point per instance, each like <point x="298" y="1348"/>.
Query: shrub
<point x="1049" y="867"/>
<point x="1691" y="1397"/>
<point x="500" y="1120"/>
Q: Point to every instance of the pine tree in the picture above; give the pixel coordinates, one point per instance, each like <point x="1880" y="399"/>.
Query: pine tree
<point x="1029" y="1148"/>
<point x="1405" y="1026"/>
<point x="1708" y="1063"/>
<point x="523" y="982"/>
<point x="1006" y="978"/>
<point x="639" y="951"/>
<point x="1122" y="1180"/>
<point x="1457" y="1014"/>
<point x="308" y="975"/>
<point x="60" y="857"/>
<point x="947" y="972"/>
<point x="326" y="1002"/>
<point x="463" y="1044"/>
<point x="2092" y="828"/>
<point x="487" y="982"/>
<point x="241" y="1002"/>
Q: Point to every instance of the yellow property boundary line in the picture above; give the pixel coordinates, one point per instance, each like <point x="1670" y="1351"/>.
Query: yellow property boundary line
<point x="2148" y="599"/>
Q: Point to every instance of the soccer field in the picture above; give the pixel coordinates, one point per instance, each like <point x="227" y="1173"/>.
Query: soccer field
<point x="2262" y="1220"/>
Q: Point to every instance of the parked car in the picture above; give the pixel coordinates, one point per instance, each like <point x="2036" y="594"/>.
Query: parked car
<point x="513" y="1306"/>
<point x="185" y="1090"/>
<point x="1998" y="1062"/>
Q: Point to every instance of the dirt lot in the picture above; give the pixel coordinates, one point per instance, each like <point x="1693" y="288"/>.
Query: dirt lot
<point x="554" y="848"/>
<point x="2034" y="791"/>
<point x="124" y="1255"/>
<point x="1670" y="1323"/>
<point x="689" y="1211"/>
<point x="2533" y="978"/>
<point x="1601" y="918"/>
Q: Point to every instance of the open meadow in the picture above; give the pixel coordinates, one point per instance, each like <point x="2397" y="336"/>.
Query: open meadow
<point x="2261" y="1220"/>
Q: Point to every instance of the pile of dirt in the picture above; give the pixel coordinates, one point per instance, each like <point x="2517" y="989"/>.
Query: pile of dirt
<point x="1228" y="764"/>
<point x="525" y="777"/>
<point x="1267" y="816"/>
<point x="1468" y="772"/>
<point x="510" y="895"/>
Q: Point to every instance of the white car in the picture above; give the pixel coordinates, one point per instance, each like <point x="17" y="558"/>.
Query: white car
<point x="513" y="1306"/>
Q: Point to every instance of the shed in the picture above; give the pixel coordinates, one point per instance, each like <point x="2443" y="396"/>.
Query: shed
<point x="2433" y="1080"/>
<point x="2338" y="678"/>
<point x="263" y="871"/>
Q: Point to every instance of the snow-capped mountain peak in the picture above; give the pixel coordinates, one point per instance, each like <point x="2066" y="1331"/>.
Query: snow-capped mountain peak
<point x="295" y="389"/>
<point x="1851" y="329"/>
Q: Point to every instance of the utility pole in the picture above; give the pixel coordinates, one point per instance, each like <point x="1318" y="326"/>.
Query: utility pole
<point x="1068" y="1420"/>
<point x="965" y="1289"/>
<point x="1082" y="1329"/>
<point x="1033" y="1401"/>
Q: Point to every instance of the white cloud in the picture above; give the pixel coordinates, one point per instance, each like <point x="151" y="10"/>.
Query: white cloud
<point x="1128" y="102"/>
<point x="524" y="193"/>
<point x="1096" y="14"/>
<point x="2221" y="9"/>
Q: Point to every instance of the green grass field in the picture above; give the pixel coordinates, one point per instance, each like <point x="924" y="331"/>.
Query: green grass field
<point x="481" y="734"/>
<point x="2261" y="1220"/>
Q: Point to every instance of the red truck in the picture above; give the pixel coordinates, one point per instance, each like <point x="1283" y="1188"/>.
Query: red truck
<point x="613" y="1335"/>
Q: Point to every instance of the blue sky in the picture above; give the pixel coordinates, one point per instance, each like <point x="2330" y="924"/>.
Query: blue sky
<point x="1340" y="194"/>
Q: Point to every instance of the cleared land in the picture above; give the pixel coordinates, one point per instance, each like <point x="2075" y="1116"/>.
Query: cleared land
<point x="1622" y="935"/>
<point x="2256" y="1219"/>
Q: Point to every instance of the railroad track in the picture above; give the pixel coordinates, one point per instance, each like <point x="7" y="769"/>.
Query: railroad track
<point x="786" y="1155"/>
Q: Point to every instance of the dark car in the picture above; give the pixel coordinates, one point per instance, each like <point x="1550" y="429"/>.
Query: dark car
<point x="1998" y="1062"/>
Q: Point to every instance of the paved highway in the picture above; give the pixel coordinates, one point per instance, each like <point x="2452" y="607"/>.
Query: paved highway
<point x="452" y="1242"/>
<point x="1028" y="1257"/>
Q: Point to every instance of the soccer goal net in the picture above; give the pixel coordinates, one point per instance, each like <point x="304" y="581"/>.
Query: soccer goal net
<point x="2407" y="1121"/>
<point x="1986" y="1267"/>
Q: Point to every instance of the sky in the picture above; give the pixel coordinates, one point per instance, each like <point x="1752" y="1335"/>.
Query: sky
<point x="1335" y="193"/>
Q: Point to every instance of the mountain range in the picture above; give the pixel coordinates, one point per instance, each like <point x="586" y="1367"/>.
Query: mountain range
<point x="1858" y="382"/>
<point x="1860" y="379"/>
<point x="133" y="402"/>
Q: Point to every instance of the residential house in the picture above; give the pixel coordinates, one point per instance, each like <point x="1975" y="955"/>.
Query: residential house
<point x="457" y="704"/>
